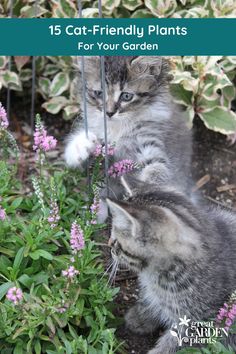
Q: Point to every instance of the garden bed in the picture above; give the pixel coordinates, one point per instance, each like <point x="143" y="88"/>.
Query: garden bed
<point x="214" y="163"/>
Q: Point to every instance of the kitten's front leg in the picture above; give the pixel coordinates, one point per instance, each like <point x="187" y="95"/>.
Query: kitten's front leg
<point x="139" y="320"/>
<point x="79" y="147"/>
<point x="167" y="344"/>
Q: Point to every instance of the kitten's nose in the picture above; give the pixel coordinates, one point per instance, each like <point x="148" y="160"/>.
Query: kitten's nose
<point x="110" y="114"/>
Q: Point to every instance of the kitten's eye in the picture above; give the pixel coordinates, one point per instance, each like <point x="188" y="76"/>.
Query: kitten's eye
<point x="97" y="94"/>
<point x="126" y="96"/>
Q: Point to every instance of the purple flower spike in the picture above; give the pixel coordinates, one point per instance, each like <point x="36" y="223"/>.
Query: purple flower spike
<point x="3" y="117"/>
<point x="76" y="238"/>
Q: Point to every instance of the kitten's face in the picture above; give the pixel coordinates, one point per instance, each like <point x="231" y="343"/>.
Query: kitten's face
<point x="134" y="236"/>
<point x="152" y="227"/>
<point x="132" y="83"/>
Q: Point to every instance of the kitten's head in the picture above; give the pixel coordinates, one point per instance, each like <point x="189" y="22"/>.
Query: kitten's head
<point x="153" y="227"/>
<point x="132" y="85"/>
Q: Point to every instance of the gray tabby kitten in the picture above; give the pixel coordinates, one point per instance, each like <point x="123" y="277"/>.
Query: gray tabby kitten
<point x="185" y="257"/>
<point x="142" y="120"/>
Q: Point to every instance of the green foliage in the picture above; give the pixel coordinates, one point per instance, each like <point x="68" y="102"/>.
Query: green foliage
<point x="213" y="90"/>
<point x="203" y="86"/>
<point x="57" y="314"/>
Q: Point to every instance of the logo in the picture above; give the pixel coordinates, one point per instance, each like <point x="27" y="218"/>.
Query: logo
<point x="200" y="332"/>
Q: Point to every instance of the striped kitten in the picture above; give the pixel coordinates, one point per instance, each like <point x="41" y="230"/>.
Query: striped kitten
<point x="185" y="257"/>
<point x="142" y="120"/>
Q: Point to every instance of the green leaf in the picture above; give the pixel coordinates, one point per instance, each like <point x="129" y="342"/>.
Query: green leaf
<point x="131" y="5"/>
<point x="220" y="120"/>
<point x="68" y="8"/>
<point x="4" y="250"/>
<point x="16" y="202"/>
<point x="18" y="259"/>
<point x="50" y="69"/>
<point x="70" y="112"/>
<point x="37" y="347"/>
<point x="41" y="253"/>
<point x="111" y="4"/>
<point x="161" y="8"/>
<point x="25" y="280"/>
<point x="5" y="287"/>
<point x="44" y="85"/>
<point x="33" y="11"/>
<point x="59" y="84"/>
<point x="19" y="348"/>
<point x="11" y="80"/>
<point x="25" y="74"/>
<point x="55" y="104"/>
<point x="181" y="95"/>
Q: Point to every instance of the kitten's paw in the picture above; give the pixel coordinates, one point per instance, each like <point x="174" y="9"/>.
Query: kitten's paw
<point x="137" y="320"/>
<point x="79" y="148"/>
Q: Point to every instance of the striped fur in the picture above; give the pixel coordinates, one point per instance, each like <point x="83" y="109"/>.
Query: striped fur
<point x="185" y="256"/>
<point x="149" y="129"/>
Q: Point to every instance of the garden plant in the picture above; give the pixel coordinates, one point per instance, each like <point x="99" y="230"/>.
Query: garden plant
<point x="54" y="296"/>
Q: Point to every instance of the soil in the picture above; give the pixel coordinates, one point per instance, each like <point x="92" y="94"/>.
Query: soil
<point x="213" y="169"/>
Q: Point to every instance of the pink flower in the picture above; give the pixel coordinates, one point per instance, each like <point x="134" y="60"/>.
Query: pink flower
<point x="48" y="143"/>
<point x="100" y="150"/>
<point x="227" y="314"/>
<point x="14" y="295"/>
<point x="3" y="117"/>
<point x="70" y="272"/>
<point x="61" y="309"/>
<point x="120" y="168"/>
<point x="228" y="322"/>
<point x="76" y="238"/>
<point x="2" y="214"/>
<point x="94" y="209"/>
<point x="54" y="214"/>
<point x="42" y="141"/>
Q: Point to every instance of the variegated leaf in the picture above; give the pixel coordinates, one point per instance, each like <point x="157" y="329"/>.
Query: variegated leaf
<point x="131" y="5"/>
<point x="219" y="119"/>
<point x="55" y="104"/>
<point x="11" y="80"/>
<point x="59" y="84"/>
<point x="70" y="111"/>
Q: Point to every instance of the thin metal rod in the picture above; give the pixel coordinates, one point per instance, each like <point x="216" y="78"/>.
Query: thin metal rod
<point x="103" y="87"/>
<point x="83" y="81"/>
<point x="9" y="68"/>
<point x="85" y="115"/>
<point x="32" y="111"/>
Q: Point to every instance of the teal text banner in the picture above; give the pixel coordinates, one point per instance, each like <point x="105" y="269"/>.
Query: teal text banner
<point x="117" y="36"/>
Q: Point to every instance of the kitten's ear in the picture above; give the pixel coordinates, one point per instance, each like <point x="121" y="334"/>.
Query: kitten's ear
<point x="91" y="64"/>
<point x="123" y="214"/>
<point x="150" y="65"/>
<point x="131" y="184"/>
